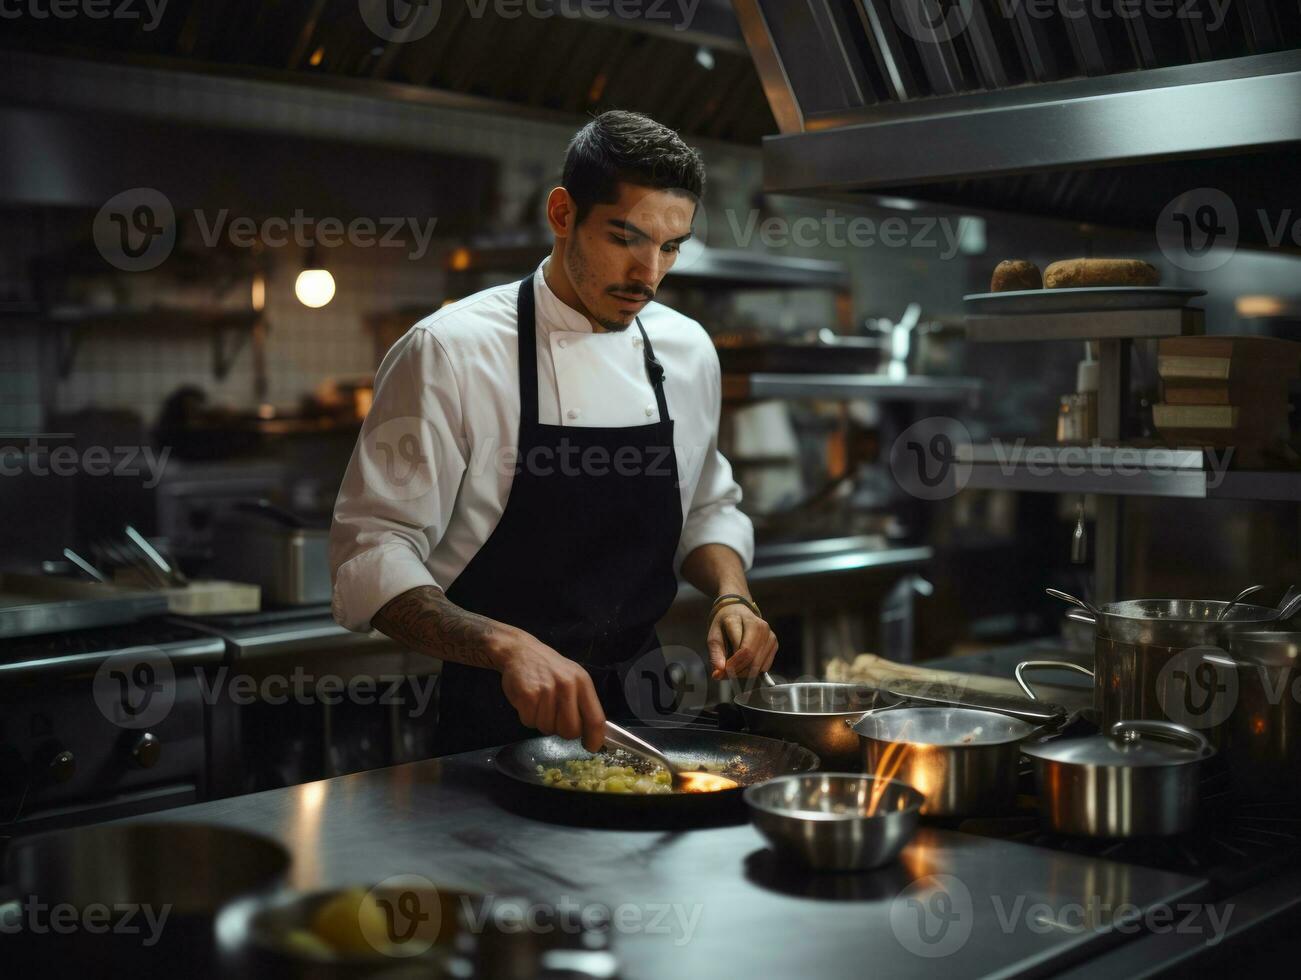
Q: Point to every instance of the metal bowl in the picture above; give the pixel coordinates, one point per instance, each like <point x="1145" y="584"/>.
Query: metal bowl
<point x="827" y="821"/>
<point x="815" y="715"/>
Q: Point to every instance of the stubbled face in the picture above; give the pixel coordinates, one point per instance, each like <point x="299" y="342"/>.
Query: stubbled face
<point x="617" y="257"/>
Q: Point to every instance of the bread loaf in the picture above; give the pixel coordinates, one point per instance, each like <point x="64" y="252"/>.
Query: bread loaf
<point x="1074" y="273"/>
<point x="1015" y="275"/>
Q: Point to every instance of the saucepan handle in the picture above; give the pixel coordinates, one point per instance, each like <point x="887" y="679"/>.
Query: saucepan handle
<point x="1080" y="616"/>
<point x="1027" y="665"/>
<point x="1164" y="729"/>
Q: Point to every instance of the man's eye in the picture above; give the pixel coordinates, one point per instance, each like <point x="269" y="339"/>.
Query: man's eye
<point x="620" y="241"/>
<point x="674" y="249"/>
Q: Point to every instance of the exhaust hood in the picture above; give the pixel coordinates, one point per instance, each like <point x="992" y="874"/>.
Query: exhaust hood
<point x="1051" y="107"/>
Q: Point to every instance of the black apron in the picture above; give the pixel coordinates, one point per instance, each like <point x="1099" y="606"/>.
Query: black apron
<point x="582" y="557"/>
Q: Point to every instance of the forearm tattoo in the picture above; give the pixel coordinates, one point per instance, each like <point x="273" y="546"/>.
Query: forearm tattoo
<point x="426" y="621"/>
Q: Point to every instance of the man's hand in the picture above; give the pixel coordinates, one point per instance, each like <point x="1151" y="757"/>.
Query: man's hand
<point x="551" y="692"/>
<point x="752" y="641"/>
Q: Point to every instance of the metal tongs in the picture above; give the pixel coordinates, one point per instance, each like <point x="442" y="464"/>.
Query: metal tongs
<point x="620" y="738"/>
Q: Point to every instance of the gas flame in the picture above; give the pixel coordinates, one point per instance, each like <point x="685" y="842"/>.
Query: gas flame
<point x="705" y="782"/>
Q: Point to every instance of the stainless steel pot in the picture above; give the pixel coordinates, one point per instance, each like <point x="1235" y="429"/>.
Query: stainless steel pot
<point x="1261" y="738"/>
<point x="1147" y="653"/>
<point x="1139" y="780"/>
<point x="963" y="760"/>
<point x="814" y="715"/>
<point x="167" y="881"/>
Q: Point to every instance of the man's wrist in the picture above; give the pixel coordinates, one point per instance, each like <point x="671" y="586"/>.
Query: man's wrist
<point x="497" y="645"/>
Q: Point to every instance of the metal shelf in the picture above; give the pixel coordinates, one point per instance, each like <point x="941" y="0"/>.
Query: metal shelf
<point x="730" y="269"/>
<point x="1102" y="325"/>
<point x="867" y="387"/>
<point x="1131" y="471"/>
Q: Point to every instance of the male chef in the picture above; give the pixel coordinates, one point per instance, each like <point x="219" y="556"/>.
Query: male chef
<point x="540" y="462"/>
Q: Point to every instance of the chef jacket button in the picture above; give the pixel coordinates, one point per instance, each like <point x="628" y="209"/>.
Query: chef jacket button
<point x="636" y="341"/>
<point x="564" y="343"/>
<point x="573" y="413"/>
<point x="650" y="410"/>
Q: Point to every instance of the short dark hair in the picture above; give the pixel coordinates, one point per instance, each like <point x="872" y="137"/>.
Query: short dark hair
<point x="628" y="147"/>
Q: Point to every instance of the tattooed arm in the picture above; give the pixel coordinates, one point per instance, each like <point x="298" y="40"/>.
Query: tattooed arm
<point x="551" y="692"/>
<point x="426" y="621"/>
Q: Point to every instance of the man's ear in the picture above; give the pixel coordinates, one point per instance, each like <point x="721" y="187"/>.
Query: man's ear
<point x="562" y="212"/>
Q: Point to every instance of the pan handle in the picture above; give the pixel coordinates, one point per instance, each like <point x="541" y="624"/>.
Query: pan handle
<point x="1026" y="665"/>
<point x="1080" y="616"/>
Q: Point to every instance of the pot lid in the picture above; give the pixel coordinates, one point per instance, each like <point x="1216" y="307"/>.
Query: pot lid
<point x="1132" y="744"/>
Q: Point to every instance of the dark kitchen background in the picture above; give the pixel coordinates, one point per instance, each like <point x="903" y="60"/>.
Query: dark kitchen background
<point x="192" y="391"/>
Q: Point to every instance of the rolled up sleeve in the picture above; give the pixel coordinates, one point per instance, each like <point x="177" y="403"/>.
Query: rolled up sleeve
<point x="401" y="483"/>
<point x="715" y="515"/>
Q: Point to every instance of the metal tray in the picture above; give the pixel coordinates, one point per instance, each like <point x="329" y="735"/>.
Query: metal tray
<point x="1088" y="299"/>
<point x="35" y="604"/>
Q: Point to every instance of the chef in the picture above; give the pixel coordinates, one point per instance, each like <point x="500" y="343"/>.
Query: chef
<point x="540" y="462"/>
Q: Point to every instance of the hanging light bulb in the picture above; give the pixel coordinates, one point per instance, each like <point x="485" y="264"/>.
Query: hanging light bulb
<point x="314" y="286"/>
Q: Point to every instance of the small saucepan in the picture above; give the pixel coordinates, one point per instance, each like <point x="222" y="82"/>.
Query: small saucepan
<point x="1140" y="779"/>
<point x="965" y="761"/>
<point x="815" y="715"/>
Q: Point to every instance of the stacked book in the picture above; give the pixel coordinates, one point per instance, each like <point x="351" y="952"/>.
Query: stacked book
<point x="1227" y="391"/>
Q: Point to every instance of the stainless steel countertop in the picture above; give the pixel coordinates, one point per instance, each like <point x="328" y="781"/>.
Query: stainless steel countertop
<point x="448" y="821"/>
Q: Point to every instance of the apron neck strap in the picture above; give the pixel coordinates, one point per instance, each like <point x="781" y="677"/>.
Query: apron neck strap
<point x="526" y="308"/>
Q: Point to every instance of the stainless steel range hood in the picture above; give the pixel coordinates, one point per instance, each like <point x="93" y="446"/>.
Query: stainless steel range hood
<point x="1021" y="105"/>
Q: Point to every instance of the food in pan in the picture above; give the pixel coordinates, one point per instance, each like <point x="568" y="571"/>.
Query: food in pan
<point x="344" y="923"/>
<point x="1015" y="275"/>
<point x="1075" y="273"/>
<point x="621" y="772"/>
<point x="597" y="775"/>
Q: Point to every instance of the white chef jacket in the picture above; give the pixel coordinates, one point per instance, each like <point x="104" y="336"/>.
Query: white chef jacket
<point x="432" y="469"/>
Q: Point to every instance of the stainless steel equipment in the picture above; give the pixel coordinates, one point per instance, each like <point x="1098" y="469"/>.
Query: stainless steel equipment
<point x="1146" y="652"/>
<point x="260" y="543"/>
<point x="1138" y="780"/>
<point x="963" y="760"/>
<point x="1261" y="739"/>
<point x="816" y="715"/>
<point x="176" y="875"/>
<point x="836" y="821"/>
<point x="31" y="605"/>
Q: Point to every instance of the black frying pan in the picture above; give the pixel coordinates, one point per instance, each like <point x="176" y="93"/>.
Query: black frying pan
<point x="749" y="759"/>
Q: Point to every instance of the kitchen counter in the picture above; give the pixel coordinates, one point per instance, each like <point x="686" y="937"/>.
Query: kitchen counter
<point x="1012" y="908"/>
